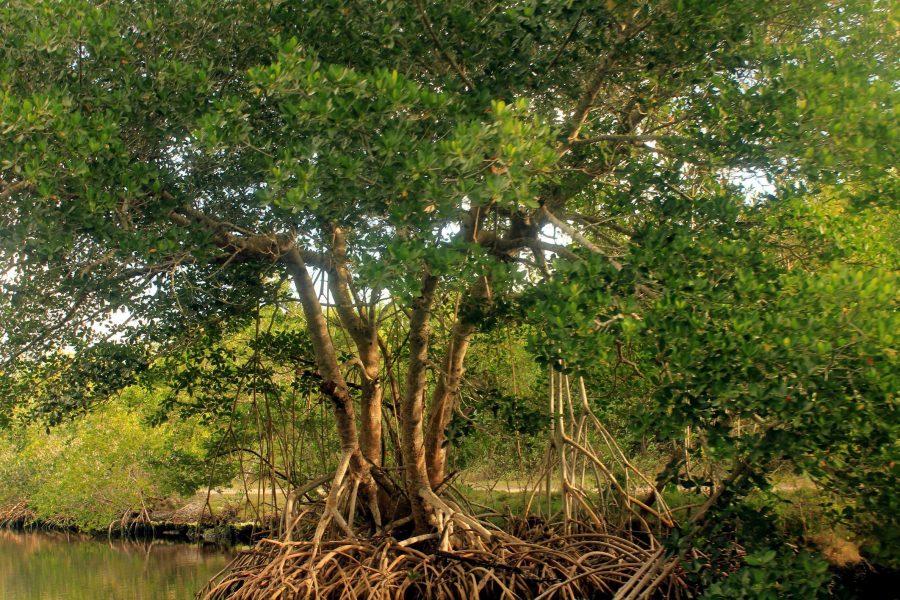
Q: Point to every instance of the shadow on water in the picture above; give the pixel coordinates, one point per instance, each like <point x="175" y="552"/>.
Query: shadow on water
<point x="60" y="566"/>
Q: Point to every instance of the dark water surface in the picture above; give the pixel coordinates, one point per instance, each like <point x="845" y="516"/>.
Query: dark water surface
<point x="54" y="566"/>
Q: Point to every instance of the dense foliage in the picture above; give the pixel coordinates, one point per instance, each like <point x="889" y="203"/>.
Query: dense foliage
<point x="359" y="236"/>
<point x="91" y="472"/>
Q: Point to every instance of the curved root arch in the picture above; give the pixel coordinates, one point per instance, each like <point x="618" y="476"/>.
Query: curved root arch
<point x="578" y="564"/>
<point x="576" y="551"/>
<point x="592" y="472"/>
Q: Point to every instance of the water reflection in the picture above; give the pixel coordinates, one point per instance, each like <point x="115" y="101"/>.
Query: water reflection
<point x="55" y="566"/>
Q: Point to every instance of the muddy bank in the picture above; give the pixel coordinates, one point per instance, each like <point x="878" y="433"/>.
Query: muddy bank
<point x="179" y="525"/>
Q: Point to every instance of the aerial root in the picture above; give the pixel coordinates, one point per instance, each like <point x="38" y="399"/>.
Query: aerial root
<point x="18" y="514"/>
<point x="130" y="521"/>
<point x="347" y="490"/>
<point x="579" y="564"/>
<point x="332" y="502"/>
<point x="446" y="516"/>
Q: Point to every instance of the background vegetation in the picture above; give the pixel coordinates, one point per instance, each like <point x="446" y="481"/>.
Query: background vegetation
<point x="281" y="247"/>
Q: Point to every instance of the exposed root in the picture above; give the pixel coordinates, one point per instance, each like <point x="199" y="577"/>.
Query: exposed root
<point x="578" y="564"/>
<point x="589" y="552"/>
<point x="339" y="511"/>
<point x="571" y="453"/>
<point x="17" y="515"/>
<point x="331" y="512"/>
<point x="130" y="521"/>
<point x="446" y="515"/>
<point x="20" y="516"/>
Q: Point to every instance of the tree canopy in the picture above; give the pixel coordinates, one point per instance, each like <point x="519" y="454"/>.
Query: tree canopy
<point x="689" y="203"/>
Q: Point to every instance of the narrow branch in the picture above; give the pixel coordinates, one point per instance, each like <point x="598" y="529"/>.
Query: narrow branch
<point x="260" y="245"/>
<point x="586" y="103"/>
<point x="617" y="137"/>
<point x="265" y="460"/>
<point x="440" y="47"/>
<point x="8" y="189"/>
<point x="576" y="235"/>
<point x="566" y="40"/>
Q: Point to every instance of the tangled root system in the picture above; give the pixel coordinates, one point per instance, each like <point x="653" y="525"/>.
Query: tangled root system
<point x="577" y="554"/>
<point x="573" y="565"/>
<point x="16" y="515"/>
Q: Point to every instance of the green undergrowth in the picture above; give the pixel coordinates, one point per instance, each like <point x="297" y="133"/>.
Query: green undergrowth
<point x="88" y="472"/>
<point x="801" y="512"/>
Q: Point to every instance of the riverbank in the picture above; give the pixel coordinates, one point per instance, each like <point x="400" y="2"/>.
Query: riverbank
<point x="182" y="525"/>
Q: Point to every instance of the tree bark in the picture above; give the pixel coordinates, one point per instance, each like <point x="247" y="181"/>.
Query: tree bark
<point x="446" y="392"/>
<point x="334" y="386"/>
<point x="362" y="327"/>
<point x="412" y="408"/>
<point x="443" y="400"/>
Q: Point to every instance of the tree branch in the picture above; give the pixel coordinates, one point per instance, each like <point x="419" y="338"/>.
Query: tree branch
<point x="440" y="47"/>
<point x="576" y="235"/>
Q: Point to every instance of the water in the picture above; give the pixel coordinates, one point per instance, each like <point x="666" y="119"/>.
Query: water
<point x="52" y="566"/>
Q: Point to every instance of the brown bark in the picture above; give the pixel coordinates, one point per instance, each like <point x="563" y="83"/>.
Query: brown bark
<point x="443" y="400"/>
<point x="362" y="327"/>
<point x="412" y="408"/>
<point x="333" y="384"/>
<point x="446" y="391"/>
<point x="370" y="419"/>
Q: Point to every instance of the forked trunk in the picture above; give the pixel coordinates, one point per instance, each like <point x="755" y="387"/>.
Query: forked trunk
<point x="360" y="323"/>
<point x="446" y="391"/>
<point x="334" y="386"/>
<point x="443" y="401"/>
<point x="370" y="419"/>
